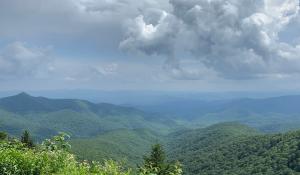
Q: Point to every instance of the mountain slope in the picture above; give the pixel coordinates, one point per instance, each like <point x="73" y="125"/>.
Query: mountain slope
<point x="45" y="117"/>
<point x="119" y="145"/>
<point x="24" y="103"/>
<point x="235" y="149"/>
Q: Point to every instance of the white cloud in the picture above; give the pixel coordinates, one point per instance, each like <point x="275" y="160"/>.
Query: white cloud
<point x="238" y="39"/>
<point x="151" y="38"/>
<point x="70" y="24"/>
<point x="19" y="60"/>
<point x="197" y="39"/>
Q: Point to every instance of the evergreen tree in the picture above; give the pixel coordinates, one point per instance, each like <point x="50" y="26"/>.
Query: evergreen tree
<point x="3" y="135"/>
<point x="26" y="139"/>
<point x="156" y="158"/>
<point x="156" y="164"/>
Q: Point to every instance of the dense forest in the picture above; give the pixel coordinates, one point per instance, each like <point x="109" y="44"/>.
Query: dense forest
<point x="125" y="144"/>
<point x="222" y="149"/>
<point x="232" y="148"/>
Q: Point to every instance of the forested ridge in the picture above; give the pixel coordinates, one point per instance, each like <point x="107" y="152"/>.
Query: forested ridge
<point x="46" y="117"/>
<point x="231" y="148"/>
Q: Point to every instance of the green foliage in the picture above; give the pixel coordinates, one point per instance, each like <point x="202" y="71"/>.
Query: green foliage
<point x="156" y="158"/>
<point x="231" y="149"/>
<point x="123" y="144"/>
<point x="44" y="117"/>
<point x="3" y="135"/>
<point x="156" y="164"/>
<point x="57" y="143"/>
<point x="50" y="158"/>
<point x="27" y="140"/>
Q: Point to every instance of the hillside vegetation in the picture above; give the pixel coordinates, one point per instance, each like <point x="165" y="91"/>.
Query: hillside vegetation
<point x="231" y="148"/>
<point x="99" y="131"/>
<point x="46" y="117"/>
<point x="117" y="145"/>
<point x="102" y="132"/>
<point x="53" y="157"/>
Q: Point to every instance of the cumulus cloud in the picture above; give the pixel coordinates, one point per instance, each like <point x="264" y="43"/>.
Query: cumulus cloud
<point x="238" y="39"/>
<point x="154" y="33"/>
<point x="151" y="38"/>
<point x="19" y="60"/>
<point x="72" y="24"/>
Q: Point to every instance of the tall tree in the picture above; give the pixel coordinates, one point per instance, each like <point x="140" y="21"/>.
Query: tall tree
<point x="26" y="139"/>
<point x="156" y="158"/>
<point x="156" y="163"/>
<point x="3" y="135"/>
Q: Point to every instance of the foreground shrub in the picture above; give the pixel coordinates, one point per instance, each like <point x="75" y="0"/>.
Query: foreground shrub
<point x="52" y="158"/>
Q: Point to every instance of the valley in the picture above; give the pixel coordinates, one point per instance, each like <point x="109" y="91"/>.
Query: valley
<point x="228" y="137"/>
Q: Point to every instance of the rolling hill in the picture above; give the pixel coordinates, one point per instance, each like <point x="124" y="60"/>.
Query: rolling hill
<point x="101" y="131"/>
<point x="46" y="117"/>
<point x="232" y="148"/>
<point x="98" y="131"/>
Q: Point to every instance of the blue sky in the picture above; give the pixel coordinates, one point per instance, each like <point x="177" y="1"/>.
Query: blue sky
<point x="186" y="45"/>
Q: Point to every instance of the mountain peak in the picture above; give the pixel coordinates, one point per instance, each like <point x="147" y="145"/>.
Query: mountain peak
<point x="20" y="103"/>
<point x="25" y="103"/>
<point x="23" y="94"/>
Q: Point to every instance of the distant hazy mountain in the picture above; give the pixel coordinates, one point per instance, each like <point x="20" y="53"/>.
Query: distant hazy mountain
<point x="269" y="114"/>
<point x="283" y="104"/>
<point x="45" y="117"/>
<point x="148" y="97"/>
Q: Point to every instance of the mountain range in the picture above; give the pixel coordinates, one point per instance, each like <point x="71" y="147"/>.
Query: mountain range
<point x="274" y="114"/>
<point x="45" y="117"/>
<point x="188" y="129"/>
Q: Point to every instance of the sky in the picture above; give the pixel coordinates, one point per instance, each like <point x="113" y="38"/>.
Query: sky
<point x="165" y="45"/>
